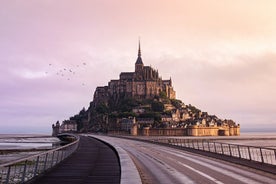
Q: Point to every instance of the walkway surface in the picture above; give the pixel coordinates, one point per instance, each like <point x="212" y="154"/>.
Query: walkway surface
<point x="93" y="162"/>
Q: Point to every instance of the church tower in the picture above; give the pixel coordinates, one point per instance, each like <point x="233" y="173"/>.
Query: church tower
<point x="139" y="65"/>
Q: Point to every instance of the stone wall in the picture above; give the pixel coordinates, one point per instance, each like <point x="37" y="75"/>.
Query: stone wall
<point x="202" y="131"/>
<point x="168" y="132"/>
<point x="190" y="131"/>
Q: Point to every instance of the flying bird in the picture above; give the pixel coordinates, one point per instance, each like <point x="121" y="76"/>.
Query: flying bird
<point x="65" y="72"/>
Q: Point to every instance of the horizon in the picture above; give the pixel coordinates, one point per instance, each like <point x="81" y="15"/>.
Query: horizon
<point x="220" y="56"/>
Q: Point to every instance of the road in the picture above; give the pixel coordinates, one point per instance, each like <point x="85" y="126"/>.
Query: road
<point x="160" y="164"/>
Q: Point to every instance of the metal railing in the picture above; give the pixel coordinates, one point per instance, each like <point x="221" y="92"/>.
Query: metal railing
<point x="23" y="170"/>
<point x="252" y="153"/>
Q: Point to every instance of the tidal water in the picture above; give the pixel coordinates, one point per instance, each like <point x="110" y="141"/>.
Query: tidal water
<point x="258" y="139"/>
<point x="16" y="146"/>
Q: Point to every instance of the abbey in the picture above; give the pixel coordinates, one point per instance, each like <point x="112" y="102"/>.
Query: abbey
<point x="142" y="103"/>
<point x="143" y="83"/>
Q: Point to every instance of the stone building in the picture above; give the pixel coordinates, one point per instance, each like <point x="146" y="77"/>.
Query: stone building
<point x="66" y="127"/>
<point x="55" y="129"/>
<point x="143" y="83"/>
<point x="129" y="125"/>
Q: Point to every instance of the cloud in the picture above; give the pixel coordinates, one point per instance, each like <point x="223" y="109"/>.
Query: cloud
<point x="242" y="90"/>
<point x="28" y="74"/>
<point x="220" y="55"/>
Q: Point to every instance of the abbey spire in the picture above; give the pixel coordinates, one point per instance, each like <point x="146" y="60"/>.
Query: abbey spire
<point x="139" y="59"/>
<point x="139" y="50"/>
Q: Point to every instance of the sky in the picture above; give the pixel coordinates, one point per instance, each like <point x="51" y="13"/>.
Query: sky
<point x="220" y="54"/>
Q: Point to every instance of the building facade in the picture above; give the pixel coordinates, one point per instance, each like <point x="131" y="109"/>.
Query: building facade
<point x="143" y="83"/>
<point x="67" y="126"/>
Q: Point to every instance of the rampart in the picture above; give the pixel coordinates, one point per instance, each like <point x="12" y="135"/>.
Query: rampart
<point x="193" y="130"/>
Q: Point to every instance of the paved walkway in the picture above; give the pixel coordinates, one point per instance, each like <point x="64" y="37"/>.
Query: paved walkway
<point x="93" y="162"/>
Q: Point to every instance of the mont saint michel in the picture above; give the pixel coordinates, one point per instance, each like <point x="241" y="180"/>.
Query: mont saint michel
<point x="141" y="103"/>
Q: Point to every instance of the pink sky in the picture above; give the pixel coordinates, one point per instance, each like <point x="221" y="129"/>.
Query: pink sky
<point x="221" y="55"/>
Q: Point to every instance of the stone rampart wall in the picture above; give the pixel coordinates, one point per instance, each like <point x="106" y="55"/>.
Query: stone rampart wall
<point x="190" y="131"/>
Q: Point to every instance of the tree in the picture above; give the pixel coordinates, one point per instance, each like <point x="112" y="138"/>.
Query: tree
<point x="155" y="115"/>
<point x="127" y="114"/>
<point x="176" y="103"/>
<point x="157" y="106"/>
<point x="127" y="104"/>
<point x="82" y="112"/>
<point x="163" y="95"/>
<point x="193" y="109"/>
<point x="102" y="108"/>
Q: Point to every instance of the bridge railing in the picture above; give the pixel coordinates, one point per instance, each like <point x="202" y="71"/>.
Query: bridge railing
<point x="252" y="153"/>
<point x="23" y="170"/>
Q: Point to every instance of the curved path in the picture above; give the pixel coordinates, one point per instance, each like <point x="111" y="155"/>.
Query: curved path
<point x="161" y="164"/>
<point x="93" y="162"/>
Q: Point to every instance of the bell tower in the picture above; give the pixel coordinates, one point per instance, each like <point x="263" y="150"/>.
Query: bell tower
<point x="139" y="63"/>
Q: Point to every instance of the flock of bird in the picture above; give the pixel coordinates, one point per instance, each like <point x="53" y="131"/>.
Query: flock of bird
<point x="66" y="73"/>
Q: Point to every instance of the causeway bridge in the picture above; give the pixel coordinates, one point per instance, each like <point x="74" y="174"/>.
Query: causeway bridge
<point x="92" y="162"/>
<point x="103" y="159"/>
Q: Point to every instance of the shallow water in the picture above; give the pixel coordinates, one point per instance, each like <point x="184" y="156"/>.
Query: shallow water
<point x="258" y="139"/>
<point x="16" y="146"/>
<point x="27" y="141"/>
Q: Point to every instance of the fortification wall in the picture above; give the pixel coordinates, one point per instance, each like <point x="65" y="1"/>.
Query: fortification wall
<point x="202" y="131"/>
<point x="164" y="132"/>
<point x="191" y="131"/>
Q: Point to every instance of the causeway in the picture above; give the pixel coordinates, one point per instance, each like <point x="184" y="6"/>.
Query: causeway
<point x="93" y="162"/>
